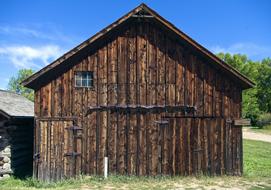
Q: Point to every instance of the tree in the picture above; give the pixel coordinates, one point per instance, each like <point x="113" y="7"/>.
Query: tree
<point x="250" y="105"/>
<point x="264" y="86"/>
<point x="14" y="84"/>
<point x="257" y="100"/>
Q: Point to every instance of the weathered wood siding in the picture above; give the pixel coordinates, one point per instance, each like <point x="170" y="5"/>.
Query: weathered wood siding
<point x="140" y="65"/>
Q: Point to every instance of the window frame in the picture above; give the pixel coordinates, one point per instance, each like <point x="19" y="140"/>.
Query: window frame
<point x="90" y="80"/>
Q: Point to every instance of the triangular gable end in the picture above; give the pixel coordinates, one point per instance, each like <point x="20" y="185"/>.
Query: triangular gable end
<point x="140" y="11"/>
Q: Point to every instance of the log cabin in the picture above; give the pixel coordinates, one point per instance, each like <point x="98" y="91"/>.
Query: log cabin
<point x="16" y="135"/>
<point x="143" y="94"/>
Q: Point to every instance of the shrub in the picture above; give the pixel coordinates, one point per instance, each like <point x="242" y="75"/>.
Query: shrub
<point x="264" y="119"/>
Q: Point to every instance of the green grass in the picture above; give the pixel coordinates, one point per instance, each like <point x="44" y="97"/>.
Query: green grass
<point x="257" y="175"/>
<point x="257" y="159"/>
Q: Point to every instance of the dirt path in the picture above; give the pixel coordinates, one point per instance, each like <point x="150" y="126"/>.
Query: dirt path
<point x="217" y="183"/>
<point x="248" y="134"/>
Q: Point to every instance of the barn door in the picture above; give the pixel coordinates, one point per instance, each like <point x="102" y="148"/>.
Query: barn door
<point x="58" y="150"/>
<point x="233" y="145"/>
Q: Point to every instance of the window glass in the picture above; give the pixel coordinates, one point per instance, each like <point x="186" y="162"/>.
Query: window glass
<point x="84" y="79"/>
<point x="85" y="83"/>
<point x="78" y="83"/>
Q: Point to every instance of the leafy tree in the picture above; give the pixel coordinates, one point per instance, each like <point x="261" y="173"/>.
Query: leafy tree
<point x="258" y="99"/>
<point x="242" y="64"/>
<point x="250" y="105"/>
<point x="14" y="84"/>
<point x="264" y="85"/>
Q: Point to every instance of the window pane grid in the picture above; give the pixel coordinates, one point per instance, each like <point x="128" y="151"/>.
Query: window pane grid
<point x="84" y="79"/>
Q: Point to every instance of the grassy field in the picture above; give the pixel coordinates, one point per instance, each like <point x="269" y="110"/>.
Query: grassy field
<point x="257" y="175"/>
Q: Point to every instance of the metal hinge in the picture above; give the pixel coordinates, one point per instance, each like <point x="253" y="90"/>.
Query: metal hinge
<point x="74" y="128"/>
<point x="78" y="136"/>
<point x="36" y="156"/>
<point x="228" y="120"/>
<point x="162" y="122"/>
<point x="72" y="154"/>
<point x="198" y="150"/>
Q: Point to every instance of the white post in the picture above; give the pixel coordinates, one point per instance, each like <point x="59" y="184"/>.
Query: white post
<point x="105" y="167"/>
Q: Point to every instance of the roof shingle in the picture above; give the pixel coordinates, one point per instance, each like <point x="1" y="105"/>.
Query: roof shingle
<point x="14" y="105"/>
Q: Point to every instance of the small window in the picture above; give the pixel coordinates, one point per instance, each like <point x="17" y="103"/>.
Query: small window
<point x="84" y="79"/>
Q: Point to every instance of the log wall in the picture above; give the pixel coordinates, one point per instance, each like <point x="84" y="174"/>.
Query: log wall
<point x="140" y="65"/>
<point x="16" y="147"/>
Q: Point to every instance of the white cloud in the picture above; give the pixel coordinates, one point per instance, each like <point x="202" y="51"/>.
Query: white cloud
<point x="21" y="30"/>
<point x="252" y="50"/>
<point x="30" y="57"/>
<point x="44" y="32"/>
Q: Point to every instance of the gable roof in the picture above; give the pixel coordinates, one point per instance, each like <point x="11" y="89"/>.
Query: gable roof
<point x="14" y="105"/>
<point x="34" y="80"/>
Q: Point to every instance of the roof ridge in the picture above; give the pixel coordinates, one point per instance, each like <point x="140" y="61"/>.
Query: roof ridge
<point x="9" y="91"/>
<point x="244" y="81"/>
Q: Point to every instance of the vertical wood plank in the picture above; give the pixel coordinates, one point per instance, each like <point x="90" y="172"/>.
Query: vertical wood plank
<point x="112" y="100"/>
<point x="131" y="80"/>
<point x="102" y="101"/>
<point x="199" y="83"/>
<point x="122" y="68"/>
<point x="142" y="73"/>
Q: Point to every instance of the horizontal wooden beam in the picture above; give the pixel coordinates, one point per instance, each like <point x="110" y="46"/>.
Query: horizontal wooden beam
<point x="143" y="109"/>
<point x="242" y="122"/>
<point x="56" y="118"/>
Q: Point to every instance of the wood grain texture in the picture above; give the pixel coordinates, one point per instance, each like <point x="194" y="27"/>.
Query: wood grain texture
<point x="140" y="65"/>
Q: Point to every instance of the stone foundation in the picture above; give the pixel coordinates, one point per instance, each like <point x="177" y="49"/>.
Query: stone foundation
<point x="5" y="153"/>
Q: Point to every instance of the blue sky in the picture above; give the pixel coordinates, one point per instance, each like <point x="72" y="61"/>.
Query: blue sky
<point x="33" y="32"/>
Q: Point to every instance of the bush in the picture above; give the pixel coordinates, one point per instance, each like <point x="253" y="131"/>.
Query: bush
<point x="264" y="119"/>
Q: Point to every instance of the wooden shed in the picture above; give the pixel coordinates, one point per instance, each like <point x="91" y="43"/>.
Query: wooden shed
<point x="143" y="94"/>
<point x="16" y="135"/>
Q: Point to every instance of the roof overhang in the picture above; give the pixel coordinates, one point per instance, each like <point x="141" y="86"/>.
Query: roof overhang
<point x="4" y="114"/>
<point x="34" y="81"/>
<point x="8" y="117"/>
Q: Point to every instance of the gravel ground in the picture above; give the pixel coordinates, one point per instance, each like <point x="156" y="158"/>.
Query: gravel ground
<point x="248" y="134"/>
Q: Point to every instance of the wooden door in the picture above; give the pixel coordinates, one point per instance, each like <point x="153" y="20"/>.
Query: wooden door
<point x="234" y="149"/>
<point x="57" y="150"/>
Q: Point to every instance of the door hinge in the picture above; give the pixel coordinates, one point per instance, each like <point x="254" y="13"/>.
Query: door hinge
<point x="72" y="154"/>
<point x="229" y="121"/>
<point x="198" y="150"/>
<point x="162" y="122"/>
<point x="74" y="128"/>
<point x="36" y="156"/>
